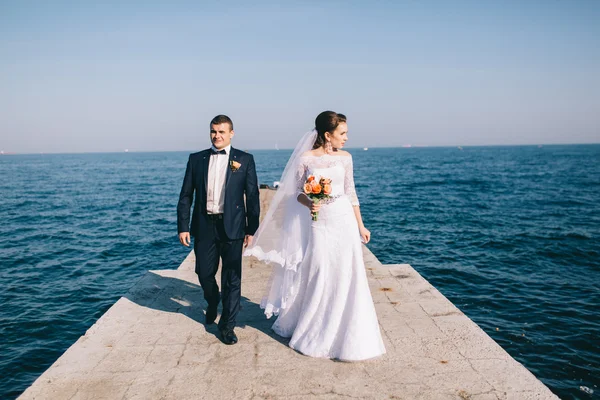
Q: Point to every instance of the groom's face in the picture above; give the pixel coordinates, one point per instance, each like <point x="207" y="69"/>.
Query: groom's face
<point x="220" y="135"/>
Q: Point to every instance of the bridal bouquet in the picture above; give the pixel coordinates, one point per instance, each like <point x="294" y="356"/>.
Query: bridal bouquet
<point x="317" y="190"/>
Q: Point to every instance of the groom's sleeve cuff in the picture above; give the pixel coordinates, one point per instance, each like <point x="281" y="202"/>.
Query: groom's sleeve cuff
<point x="251" y="232"/>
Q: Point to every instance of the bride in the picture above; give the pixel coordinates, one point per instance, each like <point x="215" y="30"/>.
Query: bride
<point x="318" y="287"/>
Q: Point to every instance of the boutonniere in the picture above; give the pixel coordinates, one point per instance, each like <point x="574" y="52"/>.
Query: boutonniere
<point x="234" y="165"/>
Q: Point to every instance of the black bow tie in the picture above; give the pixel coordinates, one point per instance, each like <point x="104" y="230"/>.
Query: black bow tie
<point x="213" y="151"/>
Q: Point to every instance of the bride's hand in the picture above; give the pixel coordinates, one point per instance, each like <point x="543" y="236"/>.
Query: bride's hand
<point x="365" y="234"/>
<point x="314" y="208"/>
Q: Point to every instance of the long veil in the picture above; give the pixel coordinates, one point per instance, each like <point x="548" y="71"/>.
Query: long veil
<point x="282" y="236"/>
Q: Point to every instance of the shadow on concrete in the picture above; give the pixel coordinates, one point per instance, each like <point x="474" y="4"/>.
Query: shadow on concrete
<point x="175" y="295"/>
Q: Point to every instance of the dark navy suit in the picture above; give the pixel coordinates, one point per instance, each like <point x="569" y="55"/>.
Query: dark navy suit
<point x="221" y="237"/>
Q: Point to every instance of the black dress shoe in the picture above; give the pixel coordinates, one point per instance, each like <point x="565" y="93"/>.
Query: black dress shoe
<point x="211" y="315"/>
<point x="229" y="336"/>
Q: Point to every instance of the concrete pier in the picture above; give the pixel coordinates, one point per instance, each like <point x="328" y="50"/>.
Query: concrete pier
<point x="153" y="344"/>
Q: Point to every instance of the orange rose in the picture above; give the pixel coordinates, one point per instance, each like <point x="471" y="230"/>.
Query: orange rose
<point x="307" y="188"/>
<point x="234" y="165"/>
<point x="327" y="189"/>
<point x="310" y="178"/>
<point x="316" y="189"/>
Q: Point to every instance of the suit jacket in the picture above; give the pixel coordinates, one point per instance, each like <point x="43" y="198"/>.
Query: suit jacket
<point x="239" y="218"/>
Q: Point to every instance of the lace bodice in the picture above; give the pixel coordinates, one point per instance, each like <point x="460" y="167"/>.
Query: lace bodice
<point x="337" y="168"/>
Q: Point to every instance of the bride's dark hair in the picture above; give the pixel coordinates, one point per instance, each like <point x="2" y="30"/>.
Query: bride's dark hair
<point x="327" y="121"/>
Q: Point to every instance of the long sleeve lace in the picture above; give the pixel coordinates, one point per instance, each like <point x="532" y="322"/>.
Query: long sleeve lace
<point x="300" y="177"/>
<point x="349" y="188"/>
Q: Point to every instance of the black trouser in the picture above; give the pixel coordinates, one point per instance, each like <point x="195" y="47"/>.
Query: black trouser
<point x="209" y="247"/>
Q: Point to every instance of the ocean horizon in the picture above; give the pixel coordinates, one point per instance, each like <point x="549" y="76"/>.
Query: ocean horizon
<point x="407" y="146"/>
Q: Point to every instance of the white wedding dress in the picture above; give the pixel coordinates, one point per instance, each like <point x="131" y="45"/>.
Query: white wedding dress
<point x="329" y="311"/>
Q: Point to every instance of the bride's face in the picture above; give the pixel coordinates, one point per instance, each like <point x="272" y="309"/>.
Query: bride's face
<point x="339" y="137"/>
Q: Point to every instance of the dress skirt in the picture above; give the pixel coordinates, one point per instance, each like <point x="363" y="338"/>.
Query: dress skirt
<point x="332" y="314"/>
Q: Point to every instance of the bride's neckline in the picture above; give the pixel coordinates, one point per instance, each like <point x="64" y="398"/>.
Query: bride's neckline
<point x="325" y="155"/>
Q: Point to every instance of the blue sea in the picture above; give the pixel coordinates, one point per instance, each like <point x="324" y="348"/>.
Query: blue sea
<point x="511" y="235"/>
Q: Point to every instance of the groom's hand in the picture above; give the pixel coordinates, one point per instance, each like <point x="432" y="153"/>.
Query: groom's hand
<point x="184" y="238"/>
<point x="247" y="240"/>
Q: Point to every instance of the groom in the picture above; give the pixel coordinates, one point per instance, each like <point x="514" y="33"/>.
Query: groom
<point x="222" y="224"/>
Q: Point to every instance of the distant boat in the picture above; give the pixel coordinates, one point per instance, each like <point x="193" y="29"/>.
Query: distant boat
<point x="406" y="145"/>
<point x="126" y="150"/>
<point x="365" y="148"/>
<point x="276" y="146"/>
<point x="460" y="148"/>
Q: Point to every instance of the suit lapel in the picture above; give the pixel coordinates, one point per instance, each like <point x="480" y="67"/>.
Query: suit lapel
<point x="232" y="157"/>
<point x="205" y="161"/>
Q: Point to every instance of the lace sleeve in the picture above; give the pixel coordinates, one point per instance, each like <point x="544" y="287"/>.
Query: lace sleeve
<point x="349" y="188"/>
<point x="300" y="177"/>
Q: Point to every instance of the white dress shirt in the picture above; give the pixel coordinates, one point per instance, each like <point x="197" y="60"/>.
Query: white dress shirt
<point x="217" y="172"/>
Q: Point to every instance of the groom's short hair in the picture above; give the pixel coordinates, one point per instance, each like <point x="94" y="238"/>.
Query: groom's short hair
<point x="222" y="119"/>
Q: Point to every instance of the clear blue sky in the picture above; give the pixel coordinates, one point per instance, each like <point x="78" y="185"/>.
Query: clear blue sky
<point x="105" y="76"/>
